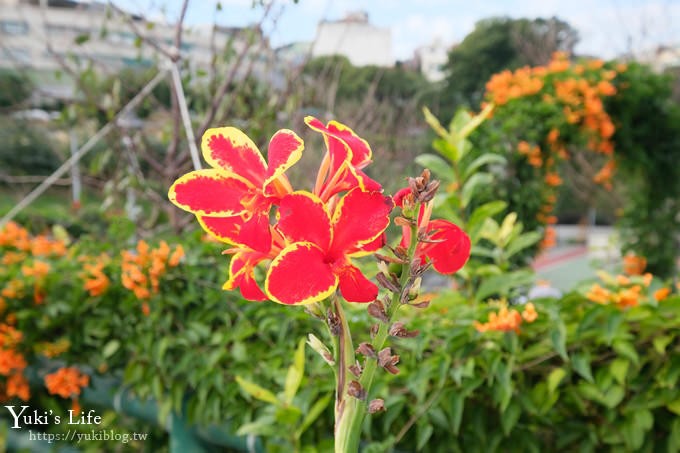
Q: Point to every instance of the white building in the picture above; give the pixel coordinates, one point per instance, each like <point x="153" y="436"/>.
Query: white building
<point x="661" y="58"/>
<point x="40" y="36"/>
<point x="355" y="38"/>
<point x="431" y="60"/>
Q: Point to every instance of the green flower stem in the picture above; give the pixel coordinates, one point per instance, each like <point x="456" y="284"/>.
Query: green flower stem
<point x="345" y="405"/>
<point x="348" y="427"/>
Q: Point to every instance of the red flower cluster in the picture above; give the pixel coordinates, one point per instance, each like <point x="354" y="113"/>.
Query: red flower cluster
<point x="315" y="234"/>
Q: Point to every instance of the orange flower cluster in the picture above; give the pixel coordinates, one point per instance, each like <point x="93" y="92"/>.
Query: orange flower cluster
<point x="549" y="238"/>
<point x="507" y="320"/>
<point x="95" y="280"/>
<point x="626" y="290"/>
<point x="12" y="365"/>
<point x="66" y="382"/>
<point x="14" y="236"/>
<point x="623" y="297"/>
<point x="142" y="270"/>
<point x="633" y="264"/>
<point x="508" y="85"/>
<point x="533" y="153"/>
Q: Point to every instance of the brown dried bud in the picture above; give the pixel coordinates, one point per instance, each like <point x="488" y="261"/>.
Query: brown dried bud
<point x="376" y="405"/>
<point x="429" y="192"/>
<point x="333" y="323"/>
<point x="387" y="283"/>
<point x="374" y="330"/>
<point x="402" y="222"/>
<point x="356" y="390"/>
<point x="398" y="330"/>
<point x="377" y="310"/>
<point x="388" y="361"/>
<point x="355" y="369"/>
<point x="366" y="349"/>
<point x="400" y="252"/>
<point x="423" y="304"/>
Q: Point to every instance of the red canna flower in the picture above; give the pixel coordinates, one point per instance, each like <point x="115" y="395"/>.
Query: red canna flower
<point x="341" y="168"/>
<point x="317" y="259"/>
<point x="232" y="200"/>
<point x="448" y="247"/>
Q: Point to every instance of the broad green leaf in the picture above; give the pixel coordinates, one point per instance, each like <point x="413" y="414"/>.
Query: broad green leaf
<point x="475" y="121"/>
<point x="438" y="166"/>
<point x="626" y="349"/>
<point x="613" y="396"/>
<point x="110" y="348"/>
<point x="506" y="227"/>
<point x="619" y="369"/>
<point x="313" y="413"/>
<point x="457" y="406"/>
<point x="580" y="362"/>
<point x="661" y="342"/>
<point x="475" y="182"/>
<point x="295" y="373"/>
<point x="502" y="284"/>
<point x="256" y="391"/>
<point x="674" y="406"/>
<point x="435" y="124"/>
<point x="479" y="162"/>
<point x="423" y="434"/>
<point x="555" y="378"/>
<point x="479" y="216"/>
<point x="510" y="417"/>
<point x="522" y="242"/>
<point x="263" y="426"/>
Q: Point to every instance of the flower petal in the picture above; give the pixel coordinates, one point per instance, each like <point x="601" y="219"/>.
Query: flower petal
<point x="355" y="287"/>
<point x="285" y="149"/>
<point x="299" y="275"/>
<point x="451" y="254"/>
<point x="361" y="150"/>
<point x="303" y="217"/>
<point x="241" y="276"/>
<point x="230" y="150"/>
<point x="208" y="192"/>
<point x="253" y="233"/>
<point x="359" y="218"/>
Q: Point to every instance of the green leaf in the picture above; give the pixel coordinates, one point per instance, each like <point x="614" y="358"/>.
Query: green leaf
<point x="484" y="159"/>
<point x="661" y="342"/>
<point x="480" y="214"/>
<point x="110" y="348"/>
<point x="475" y="121"/>
<point x="81" y="39"/>
<point x="619" y="369"/>
<point x="313" y="413"/>
<point x="423" y="435"/>
<point x="626" y="349"/>
<point x="295" y="373"/>
<point x="457" y="406"/>
<point x="674" y="406"/>
<point x="613" y="396"/>
<point x="256" y="391"/>
<point x="435" y="124"/>
<point x="502" y="284"/>
<point x="472" y="185"/>
<point x="263" y="426"/>
<point x="580" y="362"/>
<point x="558" y="336"/>
<point x="522" y="242"/>
<point x="506" y="227"/>
<point x="555" y="378"/>
<point x="510" y="417"/>
<point x="438" y="166"/>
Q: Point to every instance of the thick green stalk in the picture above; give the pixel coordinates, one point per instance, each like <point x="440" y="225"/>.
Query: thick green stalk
<point x="348" y="429"/>
<point x="345" y="405"/>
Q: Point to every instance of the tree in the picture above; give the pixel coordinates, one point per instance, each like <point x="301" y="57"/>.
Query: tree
<point x="496" y="44"/>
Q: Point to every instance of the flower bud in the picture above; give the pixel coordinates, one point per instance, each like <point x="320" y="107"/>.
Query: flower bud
<point x="321" y="348"/>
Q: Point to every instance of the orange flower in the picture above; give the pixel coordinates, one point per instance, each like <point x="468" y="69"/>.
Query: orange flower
<point x="54" y="349"/>
<point x="38" y="270"/>
<point x="628" y="297"/>
<point x="11" y="361"/>
<point x="661" y="294"/>
<point x="176" y="256"/>
<point x="9" y="336"/>
<point x="553" y="179"/>
<point x="66" y="382"/>
<point x="647" y="279"/>
<point x="10" y="258"/>
<point x="622" y="280"/>
<point x="599" y="294"/>
<point x="17" y="385"/>
<point x="633" y="264"/>
<point x="529" y="314"/>
<point x="504" y="321"/>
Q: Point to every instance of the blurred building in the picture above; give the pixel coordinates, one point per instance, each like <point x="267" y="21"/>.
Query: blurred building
<point x="431" y="59"/>
<point x="355" y="38"/>
<point x="41" y="36"/>
<point x="661" y="58"/>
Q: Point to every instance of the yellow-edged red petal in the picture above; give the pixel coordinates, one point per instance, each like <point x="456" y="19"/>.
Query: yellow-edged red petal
<point x="355" y="287"/>
<point x="285" y="149"/>
<point x="300" y="275"/>
<point x="241" y="276"/>
<point x="253" y="233"/>
<point x="230" y="150"/>
<point x="359" y="218"/>
<point x="451" y="250"/>
<point x="208" y="192"/>
<point x="303" y="217"/>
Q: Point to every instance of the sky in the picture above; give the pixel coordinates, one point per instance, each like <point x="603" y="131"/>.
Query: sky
<point x="607" y="28"/>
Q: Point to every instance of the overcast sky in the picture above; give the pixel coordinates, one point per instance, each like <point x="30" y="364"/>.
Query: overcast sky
<point x="605" y="26"/>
